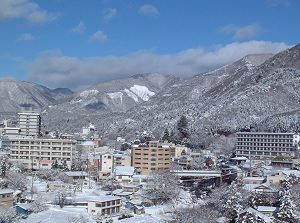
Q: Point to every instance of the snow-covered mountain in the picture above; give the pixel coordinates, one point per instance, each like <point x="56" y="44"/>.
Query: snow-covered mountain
<point x="257" y="92"/>
<point x="14" y="93"/>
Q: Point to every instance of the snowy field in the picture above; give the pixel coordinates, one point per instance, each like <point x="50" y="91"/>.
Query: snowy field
<point x="78" y="214"/>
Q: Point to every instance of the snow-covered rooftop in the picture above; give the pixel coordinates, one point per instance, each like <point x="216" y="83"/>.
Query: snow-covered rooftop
<point x="6" y="191"/>
<point x="105" y="198"/>
<point x="291" y="172"/>
<point x="76" y="173"/>
<point x="124" y="170"/>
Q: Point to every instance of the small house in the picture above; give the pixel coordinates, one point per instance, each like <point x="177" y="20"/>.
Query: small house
<point x="75" y="176"/>
<point x="124" y="174"/>
<point x="254" y="180"/>
<point x="105" y="205"/>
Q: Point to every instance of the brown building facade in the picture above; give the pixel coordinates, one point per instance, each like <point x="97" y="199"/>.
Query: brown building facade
<point x="151" y="158"/>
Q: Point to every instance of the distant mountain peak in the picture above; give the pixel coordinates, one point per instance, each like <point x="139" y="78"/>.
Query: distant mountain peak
<point x="257" y="59"/>
<point x="8" y="79"/>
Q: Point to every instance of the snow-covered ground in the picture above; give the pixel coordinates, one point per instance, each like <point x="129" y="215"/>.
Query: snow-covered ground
<point x="76" y="214"/>
<point x="55" y="214"/>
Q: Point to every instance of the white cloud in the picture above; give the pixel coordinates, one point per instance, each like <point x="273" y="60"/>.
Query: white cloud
<point x="108" y="14"/>
<point x="57" y="70"/>
<point x="12" y="9"/>
<point x="148" y="10"/>
<point x="80" y="28"/>
<point x="26" y="37"/>
<point x="99" y="36"/>
<point x="241" y="33"/>
<point x="275" y="3"/>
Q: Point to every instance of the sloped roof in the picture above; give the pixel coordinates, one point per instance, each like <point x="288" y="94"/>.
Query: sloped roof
<point x="291" y="172"/>
<point x="124" y="170"/>
<point x="104" y="198"/>
<point x="6" y="191"/>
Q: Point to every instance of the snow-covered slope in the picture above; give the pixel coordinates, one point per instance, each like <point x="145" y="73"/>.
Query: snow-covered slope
<point x="14" y="93"/>
<point x="259" y="92"/>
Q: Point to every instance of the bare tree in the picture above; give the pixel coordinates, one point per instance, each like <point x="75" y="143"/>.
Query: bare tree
<point x="195" y="214"/>
<point x="8" y="215"/>
<point x="78" y="219"/>
<point x="16" y="180"/>
<point x="60" y="198"/>
<point x="39" y="204"/>
<point x="162" y="186"/>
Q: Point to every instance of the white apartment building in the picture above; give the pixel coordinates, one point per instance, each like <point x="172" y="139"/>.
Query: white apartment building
<point x="105" y="205"/>
<point x="106" y="162"/>
<point x="265" y="144"/>
<point x="40" y="153"/>
<point x="122" y="160"/>
<point x="30" y="124"/>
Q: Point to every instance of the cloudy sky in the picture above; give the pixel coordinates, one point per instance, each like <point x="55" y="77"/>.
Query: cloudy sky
<point x="78" y="43"/>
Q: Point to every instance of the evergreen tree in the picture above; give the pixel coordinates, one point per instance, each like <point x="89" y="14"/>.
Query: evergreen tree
<point x="4" y="166"/>
<point x="249" y="217"/>
<point x="182" y="127"/>
<point x="286" y="210"/>
<point x="256" y="199"/>
<point x="166" y="136"/>
<point x="233" y="205"/>
<point x="65" y="166"/>
<point x="54" y="165"/>
<point x="73" y="166"/>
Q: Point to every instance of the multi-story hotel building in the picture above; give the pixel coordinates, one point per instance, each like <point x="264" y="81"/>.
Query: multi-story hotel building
<point x="265" y="144"/>
<point x="30" y="124"/>
<point x="150" y="158"/>
<point x="40" y="153"/>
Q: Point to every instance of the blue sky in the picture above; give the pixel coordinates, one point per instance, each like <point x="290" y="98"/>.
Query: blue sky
<point x="77" y="43"/>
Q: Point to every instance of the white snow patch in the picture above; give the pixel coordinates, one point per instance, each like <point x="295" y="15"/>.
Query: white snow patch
<point x="74" y="101"/>
<point x="142" y="92"/>
<point x="116" y="96"/>
<point x="88" y="93"/>
<point x="132" y="95"/>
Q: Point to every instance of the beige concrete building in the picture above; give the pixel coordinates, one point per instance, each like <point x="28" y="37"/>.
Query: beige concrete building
<point x="106" y="162"/>
<point x="122" y="160"/>
<point x="40" y="153"/>
<point x="6" y="198"/>
<point x="178" y="150"/>
<point x="150" y="158"/>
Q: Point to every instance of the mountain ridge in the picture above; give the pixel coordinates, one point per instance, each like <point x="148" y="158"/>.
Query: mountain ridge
<point x="259" y="91"/>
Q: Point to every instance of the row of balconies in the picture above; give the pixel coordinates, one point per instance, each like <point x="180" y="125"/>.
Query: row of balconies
<point x="265" y="144"/>
<point x="39" y="158"/>
<point x="108" y="203"/>
<point x="264" y="140"/>
<point x="273" y="154"/>
<point x="283" y="136"/>
<point x="40" y="148"/>
<point x="262" y="149"/>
